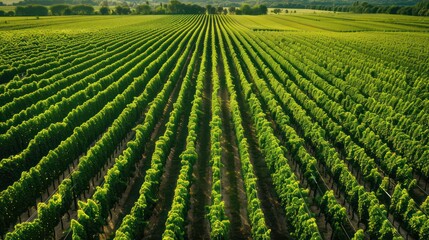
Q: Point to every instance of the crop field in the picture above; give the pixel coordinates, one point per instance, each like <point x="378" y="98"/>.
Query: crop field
<point x="306" y="126"/>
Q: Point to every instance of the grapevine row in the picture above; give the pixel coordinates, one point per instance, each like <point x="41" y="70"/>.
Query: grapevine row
<point x="134" y="223"/>
<point x="92" y="214"/>
<point x="256" y="215"/>
<point x="219" y="222"/>
<point x="293" y="197"/>
<point x="17" y="197"/>
<point x="175" y="223"/>
<point x="342" y="175"/>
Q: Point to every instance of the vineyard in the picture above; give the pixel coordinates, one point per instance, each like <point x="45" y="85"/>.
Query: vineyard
<point x="305" y="126"/>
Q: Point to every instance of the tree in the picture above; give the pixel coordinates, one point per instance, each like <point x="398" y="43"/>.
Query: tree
<point x="210" y="9"/>
<point x="219" y="10"/>
<point x="246" y="9"/>
<point x="68" y="11"/>
<point x="144" y="9"/>
<point x="393" y="9"/>
<point x="118" y="10"/>
<point x="123" y="10"/>
<point x="231" y="10"/>
<point x="159" y="10"/>
<point x="174" y="7"/>
<point x="423" y="4"/>
<point x="104" y="10"/>
<point x="126" y="11"/>
<point x="262" y="9"/>
<point x="277" y="10"/>
<point x="58" y="10"/>
<point x="82" y="10"/>
<point x="31" y="10"/>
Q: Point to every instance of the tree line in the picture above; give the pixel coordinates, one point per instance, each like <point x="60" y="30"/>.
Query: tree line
<point x="173" y="7"/>
<point x="57" y="10"/>
<point x="420" y="9"/>
<point x="55" y="2"/>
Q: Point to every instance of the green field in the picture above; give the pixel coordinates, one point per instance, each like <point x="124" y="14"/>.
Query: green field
<point x="291" y="126"/>
<point x="10" y="2"/>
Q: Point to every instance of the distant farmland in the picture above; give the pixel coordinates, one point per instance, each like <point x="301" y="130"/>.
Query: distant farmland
<point x="296" y="126"/>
